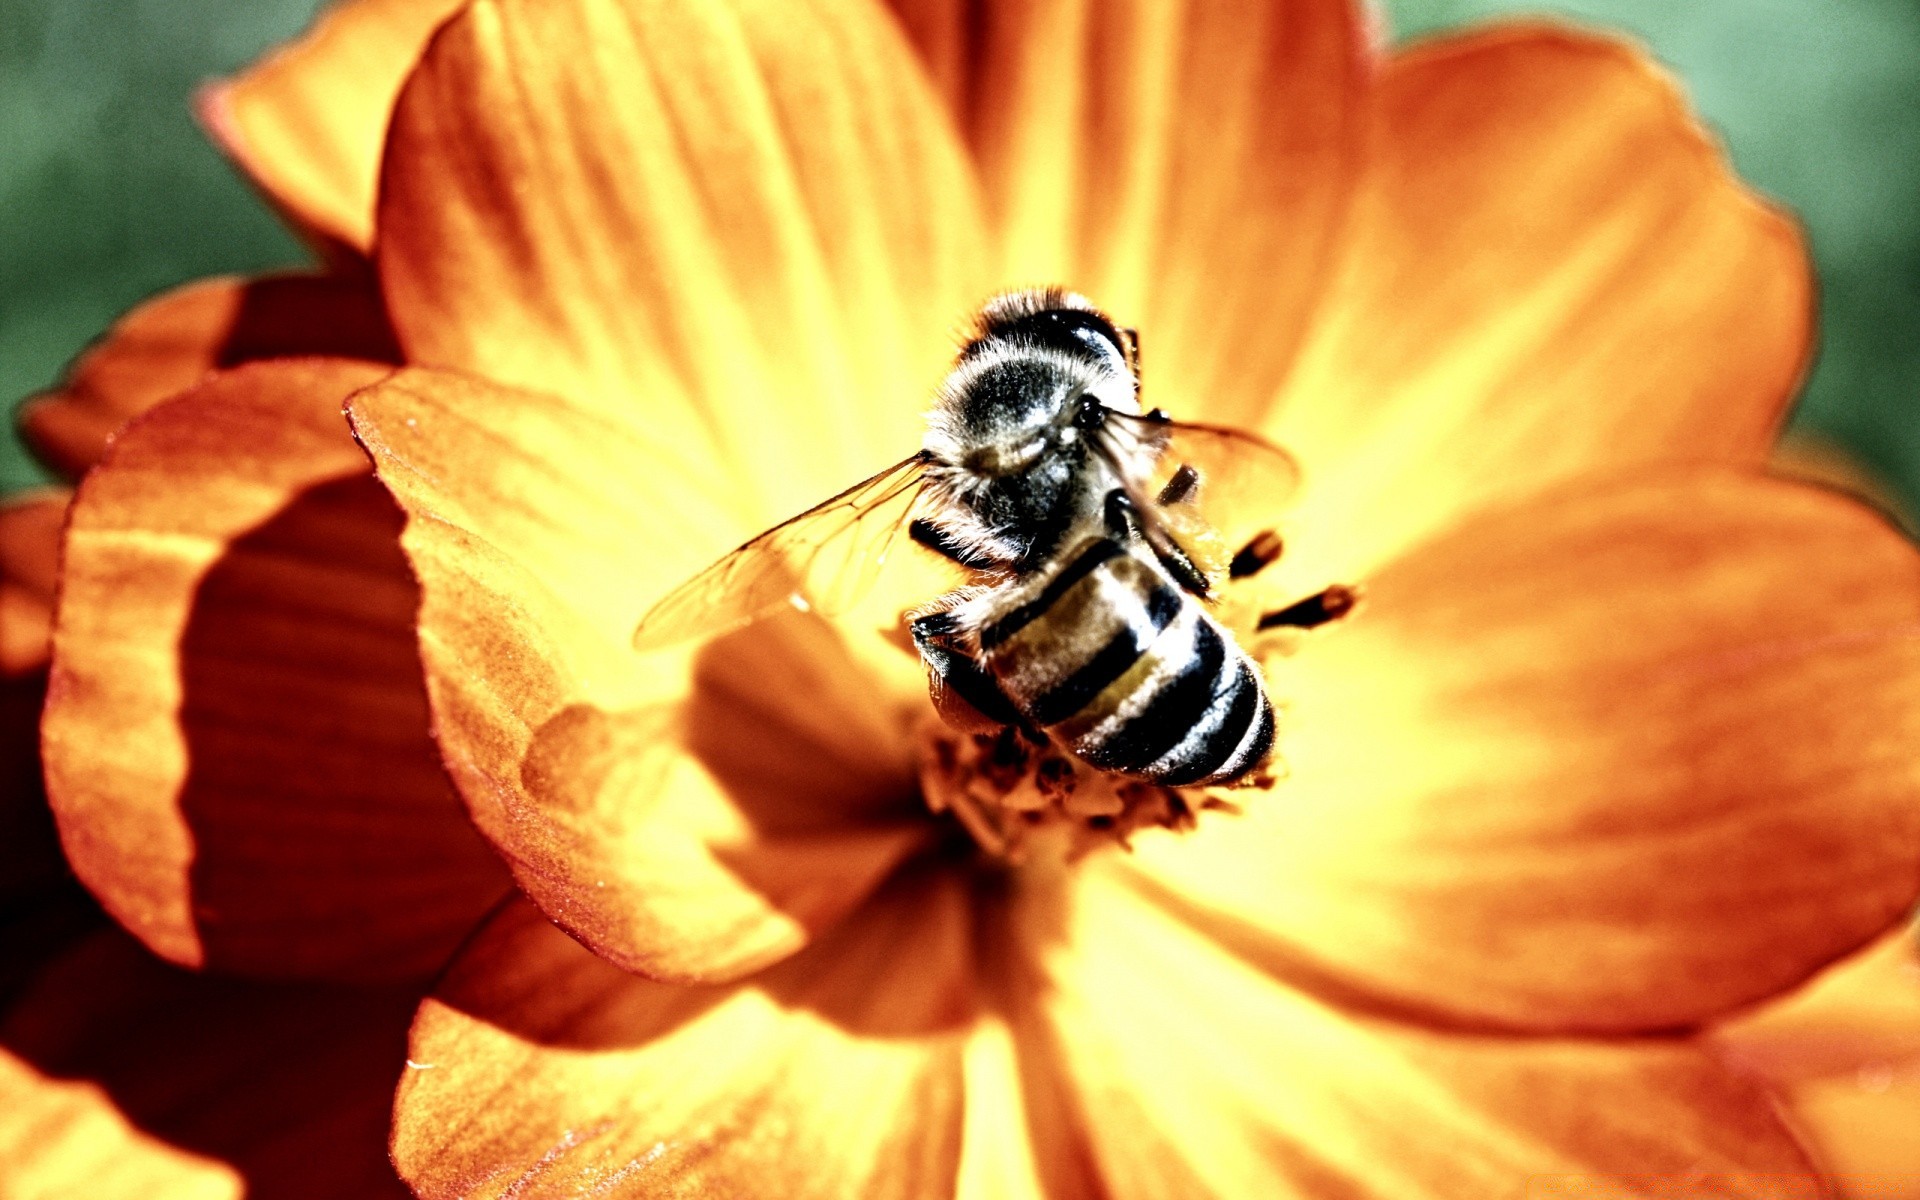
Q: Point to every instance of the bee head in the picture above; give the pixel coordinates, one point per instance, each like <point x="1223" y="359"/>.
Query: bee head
<point x="1009" y="431"/>
<point x="1037" y="362"/>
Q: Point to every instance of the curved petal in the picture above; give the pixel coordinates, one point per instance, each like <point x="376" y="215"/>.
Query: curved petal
<point x="1199" y="1075"/>
<point x="1184" y="164"/>
<point x="124" y="1079"/>
<point x="236" y="735"/>
<point x="307" y="122"/>
<point x="1548" y="270"/>
<point x="688" y="821"/>
<point x="1844" y="1055"/>
<point x="1612" y="760"/>
<point x="537" y="1069"/>
<point x="171" y="342"/>
<point x="743" y="223"/>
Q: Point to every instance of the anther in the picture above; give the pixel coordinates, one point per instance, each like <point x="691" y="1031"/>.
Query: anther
<point x="1257" y="555"/>
<point x="1330" y="605"/>
<point x="1181" y="487"/>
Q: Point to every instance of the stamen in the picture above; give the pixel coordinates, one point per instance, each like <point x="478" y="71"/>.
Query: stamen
<point x="1257" y="555"/>
<point x="1008" y="791"/>
<point x="1184" y="483"/>
<point x="1330" y="605"/>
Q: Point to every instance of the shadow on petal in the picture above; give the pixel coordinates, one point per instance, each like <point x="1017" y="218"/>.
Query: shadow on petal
<point x="760" y="809"/>
<point x="29" y="848"/>
<point x="313" y="799"/>
<point x="779" y="714"/>
<point x="236" y="736"/>
<point x="123" y="1076"/>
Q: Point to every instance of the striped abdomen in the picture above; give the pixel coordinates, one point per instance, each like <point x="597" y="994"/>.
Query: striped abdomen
<point x="1127" y="671"/>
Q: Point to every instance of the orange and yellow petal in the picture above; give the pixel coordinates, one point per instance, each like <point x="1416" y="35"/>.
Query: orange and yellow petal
<point x="122" y="1078"/>
<point x="1547" y="271"/>
<point x="1183" y="164"/>
<point x="1617" y="759"/>
<point x="1021" y="1137"/>
<point x="688" y="819"/>
<point x="1197" y="1074"/>
<point x="538" y="1069"/>
<point x="1844" y="1055"/>
<point x="744" y="225"/>
<point x="236" y="737"/>
<point x="173" y="341"/>
<point x="308" y="121"/>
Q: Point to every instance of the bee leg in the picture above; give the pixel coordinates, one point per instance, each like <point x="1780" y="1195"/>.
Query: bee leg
<point x="1257" y="555"/>
<point x="1314" y="611"/>
<point x="1124" y="524"/>
<point x="936" y="637"/>
<point x="943" y="543"/>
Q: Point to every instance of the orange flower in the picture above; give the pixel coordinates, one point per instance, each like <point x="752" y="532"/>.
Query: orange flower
<point x="1530" y="346"/>
<point x="1616" y="746"/>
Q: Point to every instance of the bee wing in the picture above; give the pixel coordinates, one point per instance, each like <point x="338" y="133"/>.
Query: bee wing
<point x="825" y="559"/>
<point x="1238" y="484"/>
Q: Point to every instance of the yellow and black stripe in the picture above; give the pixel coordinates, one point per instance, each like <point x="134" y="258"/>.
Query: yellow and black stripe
<point x="1117" y="663"/>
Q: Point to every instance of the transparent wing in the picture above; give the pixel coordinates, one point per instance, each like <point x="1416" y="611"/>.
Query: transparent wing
<point x="1189" y="481"/>
<point x="825" y="559"/>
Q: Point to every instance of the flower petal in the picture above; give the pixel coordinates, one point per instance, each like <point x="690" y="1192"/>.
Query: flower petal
<point x="236" y="735"/>
<point x="121" y="1077"/>
<point x="1613" y="760"/>
<point x="1021" y="1139"/>
<point x="687" y="821"/>
<point x="307" y="122"/>
<point x="1862" y="1011"/>
<point x="29" y="561"/>
<point x="1184" y="164"/>
<point x="62" y="1138"/>
<point x="1198" y="1075"/>
<point x="1844" y="1055"/>
<point x="744" y="223"/>
<point x="537" y="1069"/>
<point x="172" y="341"/>
<point x="1548" y="271"/>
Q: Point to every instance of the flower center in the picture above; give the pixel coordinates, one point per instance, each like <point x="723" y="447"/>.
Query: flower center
<point x="1008" y="791"/>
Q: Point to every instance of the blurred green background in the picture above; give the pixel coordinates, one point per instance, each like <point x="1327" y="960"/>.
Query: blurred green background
<point x="109" y="193"/>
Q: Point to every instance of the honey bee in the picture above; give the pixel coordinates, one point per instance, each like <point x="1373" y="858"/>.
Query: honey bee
<point x="1083" y="524"/>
